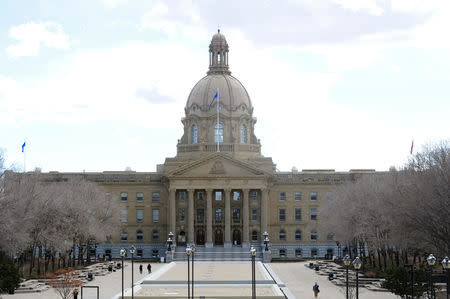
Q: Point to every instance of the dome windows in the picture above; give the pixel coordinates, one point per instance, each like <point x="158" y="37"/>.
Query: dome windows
<point x="218" y="133"/>
<point x="243" y="134"/>
<point x="194" y="133"/>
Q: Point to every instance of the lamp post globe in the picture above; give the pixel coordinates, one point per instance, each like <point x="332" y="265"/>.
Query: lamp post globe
<point x="171" y="235"/>
<point x="123" y="252"/>
<point x="431" y="260"/>
<point x="347" y="262"/>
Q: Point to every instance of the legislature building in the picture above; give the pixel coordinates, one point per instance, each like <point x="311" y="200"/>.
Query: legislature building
<point x="219" y="191"/>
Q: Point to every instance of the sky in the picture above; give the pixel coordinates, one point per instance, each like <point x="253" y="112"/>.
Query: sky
<point x="101" y="85"/>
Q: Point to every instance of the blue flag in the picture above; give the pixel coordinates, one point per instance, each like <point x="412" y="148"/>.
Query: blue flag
<point x="215" y="97"/>
<point x="23" y="146"/>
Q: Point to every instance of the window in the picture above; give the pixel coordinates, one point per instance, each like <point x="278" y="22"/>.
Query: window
<point x="200" y="195"/>
<point x="282" y="215"/>
<point x="254" y="195"/>
<point x="243" y="134"/>
<point x="236" y="215"/>
<point x="124" y="237"/>
<point x="254" y="235"/>
<point x="139" y="197"/>
<point x="298" y="235"/>
<point x="298" y="252"/>
<point x="313" y="236"/>
<point x="236" y="195"/>
<point x="194" y="134"/>
<point x="313" y="214"/>
<point x="155" y="214"/>
<point x="298" y="196"/>
<point x="139" y="236"/>
<point x="282" y="235"/>
<point x="123" y="216"/>
<point x="200" y="215"/>
<point x="282" y="196"/>
<point x="254" y="214"/>
<point x="313" y="196"/>
<point x="181" y="215"/>
<point x="155" y="236"/>
<point x="219" y="215"/>
<point x="139" y="253"/>
<point x="124" y="196"/>
<point x="218" y="195"/>
<point x="218" y="133"/>
<point x="155" y="196"/>
<point x="282" y="252"/>
<point x="182" y="195"/>
<point x="314" y="252"/>
<point x="330" y="237"/>
<point x="139" y="215"/>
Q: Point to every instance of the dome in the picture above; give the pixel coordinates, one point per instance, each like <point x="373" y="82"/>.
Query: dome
<point x="219" y="39"/>
<point x="232" y="94"/>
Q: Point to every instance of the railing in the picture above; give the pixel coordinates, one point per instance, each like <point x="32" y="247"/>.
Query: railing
<point x="223" y="147"/>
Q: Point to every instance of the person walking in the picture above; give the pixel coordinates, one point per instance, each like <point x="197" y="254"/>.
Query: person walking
<point x="316" y="290"/>
<point x="149" y="268"/>
<point x="140" y="268"/>
<point x="75" y="294"/>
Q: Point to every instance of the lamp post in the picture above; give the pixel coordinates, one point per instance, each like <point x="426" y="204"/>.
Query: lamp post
<point x="431" y="260"/>
<point x="192" y="279"/>
<point x="169" y="242"/>
<point x="357" y="265"/>
<point x="253" y="254"/>
<point x="266" y="241"/>
<point x="123" y="251"/>
<point x="446" y="266"/>
<point x="132" y="250"/>
<point x="347" y="262"/>
<point x="188" y="253"/>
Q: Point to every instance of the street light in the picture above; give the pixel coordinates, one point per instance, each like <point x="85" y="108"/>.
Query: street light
<point x="446" y="265"/>
<point x="193" y="251"/>
<point x="431" y="260"/>
<point x="188" y="253"/>
<point x="169" y="242"/>
<point x="253" y="254"/>
<point x="132" y="250"/>
<point x="357" y="264"/>
<point x="347" y="262"/>
<point x="123" y="251"/>
<point x="266" y="241"/>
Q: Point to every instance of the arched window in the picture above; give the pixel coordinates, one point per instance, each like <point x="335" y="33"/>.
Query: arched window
<point x="218" y="57"/>
<point x="243" y="134"/>
<point x="155" y="236"/>
<point x="194" y="134"/>
<point x="139" y="236"/>
<point x="282" y="235"/>
<point x="218" y="133"/>
<point x="298" y="235"/>
<point x="254" y="235"/>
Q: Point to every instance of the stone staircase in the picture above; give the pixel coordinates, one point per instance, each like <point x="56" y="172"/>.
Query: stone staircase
<point x="218" y="253"/>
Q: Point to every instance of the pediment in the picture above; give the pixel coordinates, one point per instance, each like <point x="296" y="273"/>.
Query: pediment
<point x="217" y="165"/>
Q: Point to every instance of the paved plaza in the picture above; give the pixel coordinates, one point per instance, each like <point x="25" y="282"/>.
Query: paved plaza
<point x="215" y="280"/>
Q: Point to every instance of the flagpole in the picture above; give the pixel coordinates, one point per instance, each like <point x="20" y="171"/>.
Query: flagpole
<point x="218" y="107"/>
<point x="24" y="159"/>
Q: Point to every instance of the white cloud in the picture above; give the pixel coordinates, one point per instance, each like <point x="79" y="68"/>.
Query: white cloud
<point x="32" y="36"/>
<point x="369" y="6"/>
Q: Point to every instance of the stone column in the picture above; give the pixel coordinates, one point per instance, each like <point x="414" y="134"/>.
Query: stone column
<point x="209" y="219"/>
<point x="264" y="210"/>
<point x="191" y="216"/>
<point x="172" y="213"/>
<point x="227" y="242"/>
<point x="245" y="219"/>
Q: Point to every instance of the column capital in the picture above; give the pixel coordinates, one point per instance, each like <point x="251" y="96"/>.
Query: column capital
<point x="246" y="190"/>
<point x="227" y="190"/>
<point x="190" y="190"/>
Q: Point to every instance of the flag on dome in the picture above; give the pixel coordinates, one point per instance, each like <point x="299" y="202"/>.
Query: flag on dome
<point x="23" y="146"/>
<point x="215" y="97"/>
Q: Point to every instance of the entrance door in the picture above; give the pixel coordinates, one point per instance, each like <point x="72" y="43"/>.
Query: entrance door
<point x="200" y="237"/>
<point x="181" y="239"/>
<point x="236" y="237"/>
<point x="218" y="237"/>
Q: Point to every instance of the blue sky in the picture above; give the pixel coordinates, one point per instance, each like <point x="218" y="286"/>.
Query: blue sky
<point x="336" y="84"/>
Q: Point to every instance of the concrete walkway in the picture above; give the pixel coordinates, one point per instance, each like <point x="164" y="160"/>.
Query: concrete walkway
<point x="300" y="280"/>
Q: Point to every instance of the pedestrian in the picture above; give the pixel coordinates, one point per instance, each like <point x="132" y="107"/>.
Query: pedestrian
<point x="140" y="268"/>
<point x="316" y="290"/>
<point x="149" y="268"/>
<point x="75" y="294"/>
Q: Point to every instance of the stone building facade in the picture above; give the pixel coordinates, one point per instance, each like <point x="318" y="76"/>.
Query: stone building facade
<point x="219" y="190"/>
